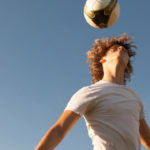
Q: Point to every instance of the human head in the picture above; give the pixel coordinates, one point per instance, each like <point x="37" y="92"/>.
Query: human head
<point x="100" y="48"/>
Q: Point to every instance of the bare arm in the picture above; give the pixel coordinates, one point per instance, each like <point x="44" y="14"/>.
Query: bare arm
<point x="145" y="134"/>
<point x="58" y="131"/>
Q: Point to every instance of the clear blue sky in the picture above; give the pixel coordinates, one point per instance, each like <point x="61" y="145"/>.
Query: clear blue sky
<point x="43" y="46"/>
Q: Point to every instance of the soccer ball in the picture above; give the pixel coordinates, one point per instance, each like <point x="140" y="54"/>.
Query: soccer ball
<point x="101" y="13"/>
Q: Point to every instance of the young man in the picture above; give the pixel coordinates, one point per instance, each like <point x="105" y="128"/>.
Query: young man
<point x="114" y="114"/>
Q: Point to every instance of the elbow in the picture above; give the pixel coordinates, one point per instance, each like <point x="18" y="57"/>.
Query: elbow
<point x="38" y="148"/>
<point x="42" y="148"/>
<point x="51" y="139"/>
<point x="58" y="132"/>
<point x="146" y="144"/>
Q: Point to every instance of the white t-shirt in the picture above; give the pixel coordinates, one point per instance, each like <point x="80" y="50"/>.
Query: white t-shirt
<point x="112" y="113"/>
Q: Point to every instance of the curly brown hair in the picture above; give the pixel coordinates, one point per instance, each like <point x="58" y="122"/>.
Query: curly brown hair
<point x="100" y="48"/>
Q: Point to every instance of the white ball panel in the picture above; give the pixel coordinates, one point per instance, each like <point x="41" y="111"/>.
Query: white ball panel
<point x="114" y="15"/>
<point x="96" y="4"/>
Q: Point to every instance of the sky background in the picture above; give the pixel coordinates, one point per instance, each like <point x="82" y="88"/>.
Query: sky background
<point x="43" y="47"/>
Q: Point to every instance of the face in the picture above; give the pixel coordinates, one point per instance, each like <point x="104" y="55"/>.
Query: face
<point x="117" y="53"/>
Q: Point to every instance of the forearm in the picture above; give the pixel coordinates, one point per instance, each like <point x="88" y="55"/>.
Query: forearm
<point x="145" y="134"/>
<point x="146" y="141"/>
<point x="146" y="145"/>
<point x="51" y="139"/>
<point x="56" y="134"/>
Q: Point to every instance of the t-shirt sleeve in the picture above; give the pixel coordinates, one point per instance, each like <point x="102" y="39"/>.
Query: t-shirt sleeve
<point x="81" y="102"/>
<point x="142" y="113"/>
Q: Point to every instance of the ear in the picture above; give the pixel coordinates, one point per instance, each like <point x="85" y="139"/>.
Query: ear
<point x="102" y="60"/>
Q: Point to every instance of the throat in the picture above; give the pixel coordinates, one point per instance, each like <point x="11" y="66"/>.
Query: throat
<point x="114" y="75"/>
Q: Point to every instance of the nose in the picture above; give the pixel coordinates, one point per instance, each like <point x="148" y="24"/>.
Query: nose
<point x="121" y="48"/>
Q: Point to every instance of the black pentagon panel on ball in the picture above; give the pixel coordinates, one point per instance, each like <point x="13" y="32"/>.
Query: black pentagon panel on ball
<point x="100" y="19"/>
<point x="102" y="16"/>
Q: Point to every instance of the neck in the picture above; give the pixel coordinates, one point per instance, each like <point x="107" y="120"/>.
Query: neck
<point x="114" y="74"/>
